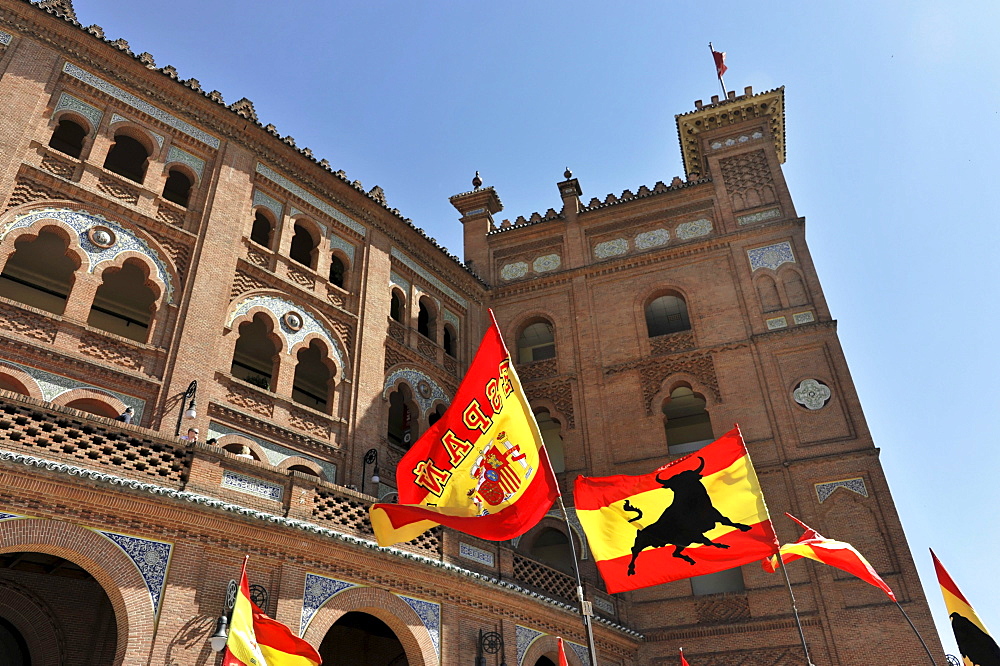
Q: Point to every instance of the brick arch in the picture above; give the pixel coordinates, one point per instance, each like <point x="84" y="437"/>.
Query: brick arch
<point x="396" y="613"/>
<point x="76" y="117"/>
<point x="292" y="461"/>
<point x="67" y="233"/>
<point x="330" y="356"/>
<point x="19" y="376"/>
<point x="677" y="380"/>
<point x="113" y="402"/>
<point x="548" y="646"/>
<point x="35" y="621"/>
<point x="144" y="136"/>
<point x="103" y="560"/>
<point x="228" y="440"/>
<point x="118" y="262"/>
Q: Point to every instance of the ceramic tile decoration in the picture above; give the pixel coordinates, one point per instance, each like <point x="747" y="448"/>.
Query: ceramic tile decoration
<point x="824" y="490"/>
<point x="151" y="558"/>
<point x="812" y="394"/>
<point x="116" y="118"/>
<point x="52" y="386"/>
<point x="309" y="198"/>
<point x="275" y="454"/>
<point x="401" y="282"/>
<point x="476" y="554"/>
<point x="8" y="516"/>
<point x="430" y="615"/>
<point x="604" y="605"/>
<point x="81" y="223"/>
<point x="650" y="239"/>
<point x="803" y="317"/>
<point x="175" y="154"/>
<point x="318" y="590"/>
<point x="525" y="637"/>
<point x="694" y="229"/>
<point x="452" y="318"/>
<point x="761" y="216"/>
<point x="251" y="486"/>
<point x="771" y="256"/>
<point x="338" y="243"/>
<point x="419" y="270"/>
<point x="5" y="38"/>
<point x="775" y="323"/>
<point x="140" y="105"/>
<point x="93" y="114"/>
<point x="416" y="379"/>
<point x="611" y="248"/>
<point x="546" y="263"/>
<point x="513" y="271"/>
<point x="261" y="199"/>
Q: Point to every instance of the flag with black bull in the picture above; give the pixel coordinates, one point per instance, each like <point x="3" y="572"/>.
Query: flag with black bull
<point x="696" y="515"/>
<point x="978" y="648"/>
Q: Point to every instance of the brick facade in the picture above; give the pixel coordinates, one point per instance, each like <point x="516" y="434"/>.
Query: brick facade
<point x="153" y="527"/>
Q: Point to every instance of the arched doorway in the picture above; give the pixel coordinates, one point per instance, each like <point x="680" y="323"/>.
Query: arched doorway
<point x="53" y="611"/>
<point x="544" y="661"/>
<point x="360" y="639"/>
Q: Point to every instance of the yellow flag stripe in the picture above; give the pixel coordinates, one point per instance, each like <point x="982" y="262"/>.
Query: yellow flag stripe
<point x="956" y="605"/>
<point x="242" y="639"/>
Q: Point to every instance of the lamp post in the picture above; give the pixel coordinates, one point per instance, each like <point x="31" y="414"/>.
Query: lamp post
<point x="219" y="639"/>
<point x="189" y="397"/>
<point x="490" y="642"/>
<point x="371" y="458"/>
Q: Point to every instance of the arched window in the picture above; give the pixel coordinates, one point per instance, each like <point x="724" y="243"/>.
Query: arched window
<point x="688" y="427"/>
<point x="730" y="580"/>
<point x="552" y="437"/>
<point x="312" y="385"/>
<point x="401" y="428"/>
<point x="768" y="293"/>
<point x="177" y="188"/>
<point x="241" y="450"/>
<point x="795" y="291"/>
<point x="304" y="470"/>
<point x="436" y="415"/>
<point x="262" y="228"/>
<point x="68" y="137"/>
<point x="303" y="248"/>
<point x="396" y="306"/>
<point x="551" y="547"/>
<point x="39" y="273"/>
<point x="93" y="406"/>
<point x="449" y="341"/>
<point x="667" y="314"/>
<point x="127" y="157"/>
<point x="123" y="304"/>
<point x="255" y="352"/>
<point x="8" y="383"/>
<point x="426" y="319"/>
<point x="536" y="343"/>
<point x="337" y="271"/>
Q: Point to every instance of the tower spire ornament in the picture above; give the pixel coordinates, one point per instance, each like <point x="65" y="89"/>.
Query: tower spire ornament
<point x="477" y="182"/>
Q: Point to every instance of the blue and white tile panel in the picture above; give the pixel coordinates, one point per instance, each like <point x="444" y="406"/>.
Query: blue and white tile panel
<point x="425" y="390"/>
<point x="401" y="282"/>
<point x="432" y="279"/>
<point x="774" y="323"/>
<point x="140" y="105"/>
<point x="319" y="590"/>
<point x="734" y="140"/>
<point x="611" y="248"/>
<point x="338" y="243"/>
<point x="761" y="216"/>
<point x="824" y="490"/>
<point x="803" y="318"/>
<point x="694" y="229"/>
<point x="771" y="256"/>
<point x="651" y="239"/>
<point x="310" y="199"/>
<point x="5" y="38"/>
<point x="8" y="516"/>
<point x="175" y="154"/>
<point x="546" y="263"/>
<point x="261" y="199"/>
<point x="250" y="485"/>
<point x="476" y="554"/>
<point x="513" y="271"/>
<point x="430" y="615"/>
<point x="68" y="102"/>
<point x="151" y="558"/>
<point x="52" y="386"/>
<point x="452" y="318"/>
<point x="81" y="223"/>
<point x="525" y="637"/>
<point x="275" y="454"/>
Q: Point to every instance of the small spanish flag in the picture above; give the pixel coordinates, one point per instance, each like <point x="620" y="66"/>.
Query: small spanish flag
<point x="257" y="640"/>
<point x="974" y="642"/>
<point x="684" y="662"/>
<point x="697" y="515"/>
<point x="838" y="554"/>
<point x="563" y="661"/>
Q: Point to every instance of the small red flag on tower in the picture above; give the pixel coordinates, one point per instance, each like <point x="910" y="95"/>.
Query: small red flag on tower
<point x="563" y="661"/>
<point x="684" y="662"/>
<point x="720" y="62"/>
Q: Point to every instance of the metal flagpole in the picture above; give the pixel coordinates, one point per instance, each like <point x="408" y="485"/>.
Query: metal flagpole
<point x="586" y="608"/>
<point x="795" y="610"/>
<point x="916" y="632"/>
<point x="721" y="83"/>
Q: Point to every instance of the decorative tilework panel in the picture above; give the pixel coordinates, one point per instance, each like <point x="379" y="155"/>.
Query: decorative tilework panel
<point x="604" y="605"/>
<point x="115" y="118"/>
<point x="279" y="307"/>
<point x="151" y="558"/>
<point x="452" y="318"/>
<point x="582" y="653"/>
<point x="52" y="386"/>
<point x="401" y="282"/>
<point x="430" y="615"/>
<point x="252" y="486"/>
<point x="338" y="243"/>
<point x="275" y="453"/>
<point x="803" y="317"/>
<point x="175" y="154"/>
<point x="309" y="198"/>
<point x="824" y="490"/>
<point x="425" y="390"/>
<point x="140" y="105"/>
<point x="91" y="113"/>
<point x="695" y="229"/>
<point x="654" y="238"/>
<point x="5" y="38"/>
<point x="771" y="256"/>
<point x="81" y="223"/>
<point x="318" y="590"/>
<point x="611" y="248"/>
<point x="475" y="554"/>
<point x="8" y="516"/>
<point x="546" y="263"/>
<point x="776" y="322"/>
<point x="518" y="269"/>
<point x="525" y="637"/>
<point x="769" y="214"/>
<point x="812" y="394"/>
<point x="734" y="140"/>
<point x="261" y="199"/>
<point x="416" y="268"/>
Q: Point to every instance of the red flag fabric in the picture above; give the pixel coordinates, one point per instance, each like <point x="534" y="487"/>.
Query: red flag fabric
<point x="684" y="662"/>
<point x="696" y="515"/>
<point x="482" y="468"/>
<point x="838" y="554"/>
<point x="720" y="62"/>
<point x="257" y="640"/>
<point x="562" y="653"/>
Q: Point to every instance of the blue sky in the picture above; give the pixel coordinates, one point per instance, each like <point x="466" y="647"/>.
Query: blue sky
<point x="893" y="118"/>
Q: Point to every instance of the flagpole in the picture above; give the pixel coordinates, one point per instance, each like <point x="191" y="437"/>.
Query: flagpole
<point x="579" y="587"/>
<point x="795" y="610"/>
<point x="927" y="649"/>
<point x="721" y="83"/>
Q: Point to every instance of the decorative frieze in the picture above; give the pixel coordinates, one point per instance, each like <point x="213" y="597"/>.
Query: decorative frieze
<point x="856" y="485"/>
<point x="52" y="386"/>
<point x="546" y="263"/>
<point x="319" y="590"/>
<point x="475" y="554"/>
<point x="310" y="198"/>
<point x="251" y="486"/>
<point x="513" y="271"/>
<point x="774" y="323"/>
<point x="771" y="256"/>
<point x="426" y="391"/>
<point x="803" y="318"/>
<point x="70" y="103"/>
<point x="731" y="141"/>
<point x="151" y="558"/>
<point x="400" y="256"/>
<point x="695" y="229"/>
<point x="760" y="216"/>
<point x="651" y="239"/>
<point x="611" y="248"/>
<point x="812" y="394"/>
<point x="175" y="154"/>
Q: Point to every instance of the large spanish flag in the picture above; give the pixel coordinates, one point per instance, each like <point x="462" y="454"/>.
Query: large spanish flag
<point x="257" y="640"/>
<point x="974" y="642"/>
<point x="696" y="515"/>
<point x="839" y="554"/>
<point x="482" y="468"/>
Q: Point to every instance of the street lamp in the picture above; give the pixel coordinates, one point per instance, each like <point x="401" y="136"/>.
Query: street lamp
<point x="371" y="458"/>
<point x="219" y="639"/>
<point x="490" y="642"/>
<point x="189" y="397"/>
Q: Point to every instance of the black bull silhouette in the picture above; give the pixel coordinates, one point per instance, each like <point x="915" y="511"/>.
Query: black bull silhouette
<point x="685" y="521"/>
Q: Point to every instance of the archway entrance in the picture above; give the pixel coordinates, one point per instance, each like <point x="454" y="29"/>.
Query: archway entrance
<point x="360" y="639"/>
<point x="51" y="607"/>
<point x="544" y="661"/>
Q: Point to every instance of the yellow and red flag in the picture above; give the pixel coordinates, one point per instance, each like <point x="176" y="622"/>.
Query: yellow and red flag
<point x="974" y="641"/>
<point x="697" y="515"/>
<point x="482" y="468"/>
<point x="257" y="640"/>
<point x="838" y="554"/>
